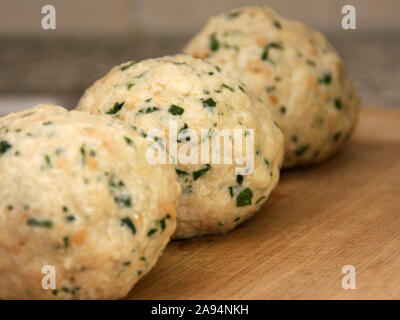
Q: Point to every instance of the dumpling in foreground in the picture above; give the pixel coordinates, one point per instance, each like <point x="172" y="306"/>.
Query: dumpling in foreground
<point x="78" y="197"/>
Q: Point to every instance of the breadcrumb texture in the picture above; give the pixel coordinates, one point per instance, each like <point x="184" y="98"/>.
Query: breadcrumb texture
<point x="197" y="95"/>
<point x="75" y="195"/>
<point x="294" y="69"/>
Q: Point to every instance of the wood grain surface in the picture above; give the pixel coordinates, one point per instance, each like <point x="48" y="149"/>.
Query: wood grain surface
<point x="319" y="219"/>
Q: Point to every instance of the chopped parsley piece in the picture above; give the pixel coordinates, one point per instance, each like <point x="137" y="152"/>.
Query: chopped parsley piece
<point x="300" y="151"/>
<point x="83" y="154"/>
<point x="233" y="15"/>
<point x="236" y="219"/>
<point x="148" y="110"/>
<point x="117" y="107"/>
<point x="127" y="66"/>
<point x="47" y="159"/>
<point x="230" y="191"/>
<point x="338" y="103"/>
<point x="227" y="87"/>
<point x="129" y="85"/>
<point x="9" y="207"/>
<point x="311" y="63"/>
<point x="277" y="24"/>
<point x="209" y="103"/>
<point x="176" y="110"/>
<point x="65" y="208"/>
<point x="66" y="242"/>
<point x="214" y="43"/>
<point x="326" y="78"/>
<point x="337" y="135"/>
<point x="70" y="218"/>
<point x="36" y="223"/>
<point x="239" y="179"/>
<point x="266" y="162"/>
<point x="163" y="223"/>
<point x="4" y="146"/>
<point x="282" y="109"/>
<point x="269" y="46"/>
<point x="47" y="123"/>
<point x="151" y="232"/>
<point x="244" y="198"/>
<point x="270" y="89"/>
<point x="128" y="222"/>
<point x="123" y="201"/>
<point x="128" y="141"/>
<point x="197" y="174"/>
<point x="180" y="172"/>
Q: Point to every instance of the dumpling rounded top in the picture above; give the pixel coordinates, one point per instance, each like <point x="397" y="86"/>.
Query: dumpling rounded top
<point x="190" y="102"/>
<point x="294" y="69"/>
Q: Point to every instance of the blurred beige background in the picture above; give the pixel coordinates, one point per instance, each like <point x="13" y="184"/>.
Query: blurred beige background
<point x="93" y="35"/>
<point x="99" y="17"/>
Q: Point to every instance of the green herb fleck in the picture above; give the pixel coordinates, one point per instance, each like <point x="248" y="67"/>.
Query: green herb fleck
<point x="127" y="66"/>
<point x="197" y="174"/>
<point x="47" y="159"/>
<point x="70" y="218"/>
<point x="4" y="146"/>
<point x="214" y="43"/>
<point x="338" y="103"/>
<point x="230" y="191"/>
<point x="209" y="103"/>
<point x="244" y="198"/>
<point x="180" y="172"/>
<point x="270" y="89"/>
<point x="282" y="109"/>
<point x="163" y="223"/>
<point x="267" y="48"/>
<point x="47" y="123"/>
<point x="176" y="110"/>
<point x="326" y="78"/>
<point x="66" y="242"/>
<point x="336" y="136"/>
<point x="239" y="179"/>
<point x="277" y="24"/>
<point x="123" y="201"/>
<point x="117" y="107"/>
<point x="151" y="232"/>
<point x="128" y="141"/>
<point x="148" y="110"/>
<point x="233" y="15"/>
<point x="227" y="87"/>
<point x="129" y="85"/>
<point x="128" y="222"/>
<point x="36" y="223"/>
<point x="300" y="151"/>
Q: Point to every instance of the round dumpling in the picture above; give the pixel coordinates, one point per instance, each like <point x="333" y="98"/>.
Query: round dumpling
<point x="294" y="69"/>
<point x="80" y="203"/>
<point x="192" y="104"/>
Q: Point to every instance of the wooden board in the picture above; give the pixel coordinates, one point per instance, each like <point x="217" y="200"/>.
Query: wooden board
<point x="343" y="212"/>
